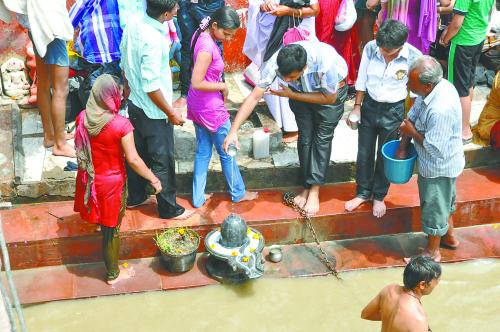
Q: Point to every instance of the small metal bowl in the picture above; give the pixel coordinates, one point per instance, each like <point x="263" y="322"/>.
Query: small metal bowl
<point x="275" y="254"/>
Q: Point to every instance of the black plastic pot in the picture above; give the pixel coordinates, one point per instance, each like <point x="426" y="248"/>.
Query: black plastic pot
<point x="180" y="263"/>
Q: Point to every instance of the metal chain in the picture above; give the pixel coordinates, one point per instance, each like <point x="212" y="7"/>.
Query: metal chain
<point x="330" y="264"/>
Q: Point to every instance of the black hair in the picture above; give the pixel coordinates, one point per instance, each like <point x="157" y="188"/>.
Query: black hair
<point x="155" y="8"/>
<point x="225" y="17"/>
<point x="420" y="268"/>
<point x="392" y="34"/>
<point x="291" y="58"/>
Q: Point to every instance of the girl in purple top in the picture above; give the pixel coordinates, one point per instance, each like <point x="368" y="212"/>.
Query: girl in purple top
<point x="206" y="108"/>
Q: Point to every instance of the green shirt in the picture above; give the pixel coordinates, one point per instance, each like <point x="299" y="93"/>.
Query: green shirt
<point x="477" y="16"/>
<point x="145" y="62"/>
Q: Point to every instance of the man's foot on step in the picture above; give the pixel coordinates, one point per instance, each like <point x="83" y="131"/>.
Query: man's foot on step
<point x="301" y="199"/>
<point x="379" y="208"/>
<point x="149" y="200"/>
<point x="185" y="215"/>
<point x="249" y="196"/>
<point x="312" y="205"/>
<point x="354" y="203"/>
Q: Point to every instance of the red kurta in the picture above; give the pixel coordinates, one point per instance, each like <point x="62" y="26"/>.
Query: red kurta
<point x="109" y="166"/>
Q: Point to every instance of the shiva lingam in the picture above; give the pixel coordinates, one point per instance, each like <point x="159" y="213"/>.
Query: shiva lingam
<point x="235" y="251"/>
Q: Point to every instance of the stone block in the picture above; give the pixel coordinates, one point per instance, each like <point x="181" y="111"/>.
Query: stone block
<point x="31" y="122"/>
<point x="287" y="157"/>
<point x="34" y="157"/>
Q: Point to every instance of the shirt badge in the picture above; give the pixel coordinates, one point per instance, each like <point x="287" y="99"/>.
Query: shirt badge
<point x="400" y="74"/>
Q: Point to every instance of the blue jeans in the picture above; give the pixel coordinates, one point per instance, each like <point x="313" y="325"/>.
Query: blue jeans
<point x="205" y="139"/>
<point x="189" y="17"/>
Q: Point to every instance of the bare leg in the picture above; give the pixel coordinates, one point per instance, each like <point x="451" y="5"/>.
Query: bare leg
<point x="449" y="240"/>
<point x="312" y="204"/>
<point x="354" y="203"/>
<point x="466" y="103"/>
<point x="379" y="208"/>
<point x="44" y="102"/>
<point x="432" y="249"/>
<point x="59" y="79"/>
<point x="301" y="199"/>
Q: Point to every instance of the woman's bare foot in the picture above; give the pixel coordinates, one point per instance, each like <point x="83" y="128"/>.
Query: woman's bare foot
<point x="312" y="204"/>
<point x="354" y="203"/>
<point x="185" y="215"/>
<point x="301" y="199"/>
<point x="378" y="208"/>
<point x="125" y="273"/>
<point x="290" y="136"/>
<point x="65" y="150"/>
<point x="249" y="196"/>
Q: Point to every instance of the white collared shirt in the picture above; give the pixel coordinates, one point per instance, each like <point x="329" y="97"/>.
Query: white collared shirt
<point x="324" y="70"/>
<point x="385" y="83"/>
<point x="439" y="118"/>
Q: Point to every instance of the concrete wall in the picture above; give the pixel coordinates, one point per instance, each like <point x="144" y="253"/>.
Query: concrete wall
<point x="13" y="39"/>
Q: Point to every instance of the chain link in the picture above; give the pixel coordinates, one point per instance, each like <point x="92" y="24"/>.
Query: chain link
<point x="330" y="264"/>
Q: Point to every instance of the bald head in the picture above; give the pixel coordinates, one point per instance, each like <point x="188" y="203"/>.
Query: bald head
<point x="427" y="69"/>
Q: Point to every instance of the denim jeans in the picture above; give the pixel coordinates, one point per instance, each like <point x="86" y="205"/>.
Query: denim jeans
<point x="205" y="139"/>
<point x="189" y="17"/>
<point x="379" y="124"/>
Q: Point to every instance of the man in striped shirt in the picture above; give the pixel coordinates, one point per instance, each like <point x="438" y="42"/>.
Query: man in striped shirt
<point x="435" y="125"/>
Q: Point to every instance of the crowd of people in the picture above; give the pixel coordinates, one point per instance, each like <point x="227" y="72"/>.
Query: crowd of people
<point x="304" y="70"/>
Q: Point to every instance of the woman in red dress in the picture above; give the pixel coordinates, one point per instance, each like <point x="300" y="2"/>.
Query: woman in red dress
<point x="103" y="140"/>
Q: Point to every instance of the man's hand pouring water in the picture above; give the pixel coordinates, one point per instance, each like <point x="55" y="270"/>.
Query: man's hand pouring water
<point x="231" y="138"/>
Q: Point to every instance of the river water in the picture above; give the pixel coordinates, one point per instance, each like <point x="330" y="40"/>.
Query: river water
<point x="466" y="299"/>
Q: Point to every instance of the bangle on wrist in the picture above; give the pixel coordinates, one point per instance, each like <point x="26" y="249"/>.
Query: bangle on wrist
<point x="357" y="104"/>
<point x="155" y="182"/>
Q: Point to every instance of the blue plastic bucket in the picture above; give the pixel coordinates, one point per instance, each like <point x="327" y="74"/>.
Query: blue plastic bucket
<point x="398" y="171"/>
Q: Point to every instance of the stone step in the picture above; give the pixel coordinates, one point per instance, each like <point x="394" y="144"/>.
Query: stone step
<point x="52" y="234"/>
<point x="64" y="282"/>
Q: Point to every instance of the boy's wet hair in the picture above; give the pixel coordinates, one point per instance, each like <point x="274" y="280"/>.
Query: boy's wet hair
<point x="291" y="58"/>
<point x="420" y="268"/>
<point x="155" y="8"/>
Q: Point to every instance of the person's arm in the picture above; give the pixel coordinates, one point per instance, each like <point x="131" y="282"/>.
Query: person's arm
<point x="309" y="97"/>
<point x="126" y="87"/>
<point x="151" y="81"/>
<point x="372" y="309"/>
<point x="460" y="9"/>
<point x="136" y="163"/>
<point x="360" y="84"/>
<point x="446" y="7"/>
<point x="282" y="10"/>
<point x="198" y="82"/>
<point x="372" y="4"/>
<point x="243" y="113"/>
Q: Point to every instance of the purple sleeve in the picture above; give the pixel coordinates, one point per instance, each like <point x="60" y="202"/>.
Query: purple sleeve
<point x="203" y="44"/>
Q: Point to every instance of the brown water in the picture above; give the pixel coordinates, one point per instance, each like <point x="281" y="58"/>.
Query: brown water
<point x="467" y="299"/>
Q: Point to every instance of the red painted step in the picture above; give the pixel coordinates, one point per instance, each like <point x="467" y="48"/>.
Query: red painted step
<point x="36" y="237"/>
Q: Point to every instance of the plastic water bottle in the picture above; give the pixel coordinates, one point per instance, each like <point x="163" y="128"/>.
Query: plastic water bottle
<point x="261" y="143"/>
<point x="232" y="150"/>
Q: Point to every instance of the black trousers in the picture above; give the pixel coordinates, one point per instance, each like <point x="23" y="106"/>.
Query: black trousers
<point x="154" y="141"/>
<point x="316" y="125"/>
<point x="379" y="123"/>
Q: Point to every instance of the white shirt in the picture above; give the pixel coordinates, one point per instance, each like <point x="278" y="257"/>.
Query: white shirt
<point x="439" y="118"/>
<point x="385" y="83"/>
<point x="325" y="68"/>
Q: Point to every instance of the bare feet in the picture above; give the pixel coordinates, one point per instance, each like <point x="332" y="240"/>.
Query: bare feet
<point x="449" y="242"/>
<point x="125" y="273"/>
<point x="185" y="215"/>
<point x="98" y="228"/>
<point x="290" y="136"/>
<point x="180" y="102"/>
<point x="249" y="196"/>
<point x="301" y="199"/>
<point x="65" y="150"/>
<point x="149" y="200"/>
<point x="378" y="208"/>
<point x="48" y="143"/>
<point x="435" y="255"/>
<point x="354" y="203"/>
<point x="208" y="196"/>
<point x="312" y="204"/>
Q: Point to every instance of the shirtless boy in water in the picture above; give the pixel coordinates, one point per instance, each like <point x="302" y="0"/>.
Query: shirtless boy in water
<point x="400" y="307"/>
